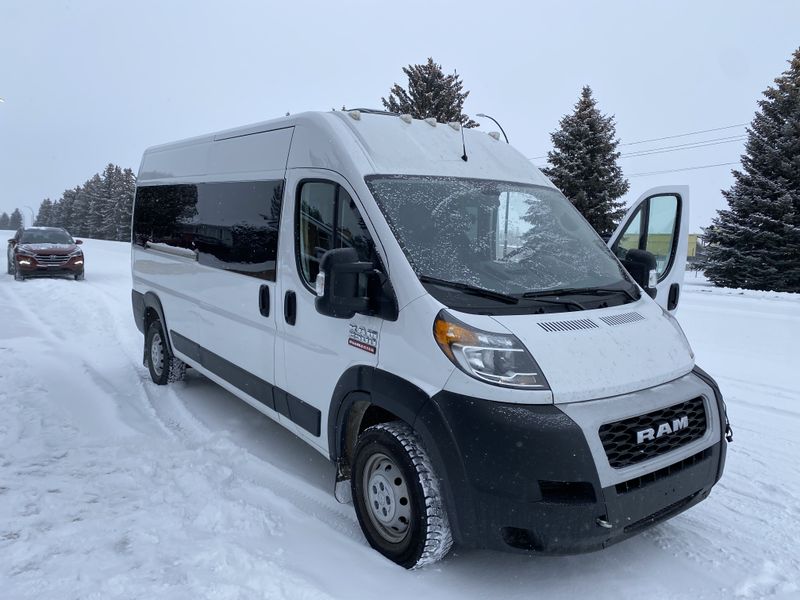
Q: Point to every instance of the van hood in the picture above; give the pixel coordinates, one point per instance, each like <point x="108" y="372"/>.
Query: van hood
<point x="601" y="353"/>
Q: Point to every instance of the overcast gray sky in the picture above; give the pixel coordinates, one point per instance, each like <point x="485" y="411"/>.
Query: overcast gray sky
<point x="91" y="82"/>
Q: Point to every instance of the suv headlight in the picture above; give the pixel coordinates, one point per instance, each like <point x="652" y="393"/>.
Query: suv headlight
<point x="496" y="358"/>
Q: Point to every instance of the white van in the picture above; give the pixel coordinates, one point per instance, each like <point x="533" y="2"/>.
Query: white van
<point x="422" y="306"/>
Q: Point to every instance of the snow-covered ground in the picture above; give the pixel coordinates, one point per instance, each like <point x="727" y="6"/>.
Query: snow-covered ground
<point x="111" y="487"/>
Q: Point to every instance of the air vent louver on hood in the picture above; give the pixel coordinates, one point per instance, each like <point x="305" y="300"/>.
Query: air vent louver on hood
<point x="622" y="319"/>
<point x="575" y="325"/>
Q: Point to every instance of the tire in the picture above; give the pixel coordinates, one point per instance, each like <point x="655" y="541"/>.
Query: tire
<point x="397" y="496"/>
<point x="163" y="366"/>
<point x="9" y="265"/>
<point x="79" y="276"/>
<point x="18" y="276"/>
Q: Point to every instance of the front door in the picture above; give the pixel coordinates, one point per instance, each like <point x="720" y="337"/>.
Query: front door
<point x="658" y="222"/>
<point x="323" y="213"/>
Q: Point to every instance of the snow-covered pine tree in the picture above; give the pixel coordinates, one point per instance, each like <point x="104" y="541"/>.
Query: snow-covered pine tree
<point x="68" y="210"/>
<point x="55" y="214"/>
<point x="4" y="221"/>
<point x="430" y="93"/>
<point x="95" y="204"/>
<point x="755" y="243"/>
<point x="15" y="220"/>
<point x="124" y="199"/>
<point x="111" y="177"/>
<point x="583" y="164"/>
<point x="43" y="217"/>
<point x="80" y="213"/>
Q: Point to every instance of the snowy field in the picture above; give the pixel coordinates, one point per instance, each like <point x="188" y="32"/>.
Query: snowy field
<point x="111" y="487"/>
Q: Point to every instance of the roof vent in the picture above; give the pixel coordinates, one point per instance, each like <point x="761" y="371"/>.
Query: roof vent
<point x="431" y="121"/>
<point x="355" y="114"/>
<point x="577" y="324"/>
<point x="495" y="135"/>
<point x="622" y="319"/>
<point x="406" y="119"/>
<point x="455" y="125"/>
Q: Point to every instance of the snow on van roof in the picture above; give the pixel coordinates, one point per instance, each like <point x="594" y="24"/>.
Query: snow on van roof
<point x="353" y="143"/>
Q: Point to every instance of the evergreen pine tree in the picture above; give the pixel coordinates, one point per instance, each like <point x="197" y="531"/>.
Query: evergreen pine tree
<point x="4" y="221"/>
<point x="755" y="243"/>
<point x="583" y="164"/>
<point x="127" y="190"/>
<point x="95" y="206"/>
<point x="15" y="220"/>
<point x="43" y="217"/>
<point x="430" y="93"/>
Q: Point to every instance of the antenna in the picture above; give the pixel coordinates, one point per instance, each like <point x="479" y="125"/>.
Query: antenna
<point x="464" y="156"/>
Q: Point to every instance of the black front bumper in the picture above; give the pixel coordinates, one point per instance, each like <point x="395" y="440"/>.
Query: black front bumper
<point x="522" y="477"/>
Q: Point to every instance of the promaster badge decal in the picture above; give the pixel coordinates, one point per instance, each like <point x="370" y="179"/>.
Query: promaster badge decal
<point x="363" y="338"/>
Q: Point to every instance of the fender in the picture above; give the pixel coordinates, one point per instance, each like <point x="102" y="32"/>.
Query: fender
<point x="141" y="302"/>
<point x="725" y="426"/>
<point x="379" y="388"/>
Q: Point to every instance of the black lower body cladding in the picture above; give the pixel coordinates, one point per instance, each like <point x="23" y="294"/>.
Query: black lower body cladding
<point x="522" y="477"/>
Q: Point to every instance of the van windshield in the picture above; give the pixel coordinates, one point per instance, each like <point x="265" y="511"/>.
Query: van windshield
<point x="510" y="238"/>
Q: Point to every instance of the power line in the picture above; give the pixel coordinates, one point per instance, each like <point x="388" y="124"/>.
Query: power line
<point x="667" y="137"/>
<point x="687" y="146"/>
<point x="683" y="169"/>
<point x="672" y="137"/>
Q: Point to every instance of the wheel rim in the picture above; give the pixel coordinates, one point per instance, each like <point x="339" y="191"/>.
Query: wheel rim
<point x="157" y="354"/>
<point x="386" y="495"/>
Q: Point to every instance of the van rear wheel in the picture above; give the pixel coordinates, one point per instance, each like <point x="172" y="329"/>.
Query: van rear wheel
<point x="397" y="496"/>
<point x="163" y="366"/>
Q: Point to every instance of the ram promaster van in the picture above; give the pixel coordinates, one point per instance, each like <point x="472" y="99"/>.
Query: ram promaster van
<point x="423" y="307"/>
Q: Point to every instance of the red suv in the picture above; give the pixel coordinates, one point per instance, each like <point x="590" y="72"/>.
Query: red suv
<point x="44" y="251"/>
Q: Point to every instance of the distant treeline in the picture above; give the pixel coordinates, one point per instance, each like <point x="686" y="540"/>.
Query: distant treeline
<point x="99" y="209"/>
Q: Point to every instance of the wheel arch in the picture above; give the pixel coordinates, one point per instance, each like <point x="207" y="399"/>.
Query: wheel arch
<point x="146" y="308"/>
<point x="365" y="396"/>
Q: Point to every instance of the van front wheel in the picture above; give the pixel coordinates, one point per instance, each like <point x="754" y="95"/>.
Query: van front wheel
<point x="397" y="496"/>
<point x="163" y="366"/>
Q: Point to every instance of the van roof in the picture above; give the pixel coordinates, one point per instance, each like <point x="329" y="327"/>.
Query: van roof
<point x="343" y="141"/>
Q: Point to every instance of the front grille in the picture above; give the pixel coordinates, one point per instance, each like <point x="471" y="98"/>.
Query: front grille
<point x="640" y="438"/>
<point x="51" y="259"/>
<point x="638" y="483"/>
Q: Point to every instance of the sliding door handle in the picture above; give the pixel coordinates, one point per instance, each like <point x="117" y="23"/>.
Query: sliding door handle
<point x="263" y="300"/>
<point x="290" y="307"/>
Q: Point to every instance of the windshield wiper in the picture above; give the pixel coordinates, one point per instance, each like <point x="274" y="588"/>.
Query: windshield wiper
<point x="470" y="289"/>
<point x="591" y="291"/>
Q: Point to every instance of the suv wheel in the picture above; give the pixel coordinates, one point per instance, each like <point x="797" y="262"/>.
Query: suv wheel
<point x="397" y="497"/>
<point x="79" y="276"/>
<point x="163" y="366"/>
<point x="18" y="276"/>
<point x="10" y="265"/>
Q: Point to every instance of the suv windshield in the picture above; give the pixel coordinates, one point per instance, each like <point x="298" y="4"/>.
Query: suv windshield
<point x="509" y="238"/>
<point x="45" y="236"/>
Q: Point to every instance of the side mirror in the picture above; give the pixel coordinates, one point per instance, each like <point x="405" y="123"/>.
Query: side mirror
<point x="346" y="286"/>
<point x="641" y="265"/>
<point x="79" y="242"/>
<point x="341" y="291"/>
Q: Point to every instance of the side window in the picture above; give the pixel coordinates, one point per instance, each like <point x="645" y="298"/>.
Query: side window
<point x="327" y="219"/>
<point x="631" y="238"/>
<point x="661" y="230"/>
<point x="230" y="226"/>
<point x="652" y="228"/>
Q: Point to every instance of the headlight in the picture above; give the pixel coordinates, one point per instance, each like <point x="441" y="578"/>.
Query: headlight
<point x="497" y="358"/>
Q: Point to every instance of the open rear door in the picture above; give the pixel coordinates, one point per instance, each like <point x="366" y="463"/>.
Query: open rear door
<point x="658" y="222"/>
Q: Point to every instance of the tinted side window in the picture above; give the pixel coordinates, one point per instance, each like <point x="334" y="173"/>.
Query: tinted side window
<point x="231" y="226"/>
<point x="327" y="219"/>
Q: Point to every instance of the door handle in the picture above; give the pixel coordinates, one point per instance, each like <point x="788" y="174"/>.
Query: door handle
<point x="674" y="296"/>
<point x="290" y="307"/>
<point x="263" y="300"/>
